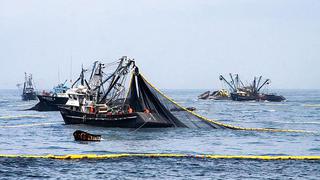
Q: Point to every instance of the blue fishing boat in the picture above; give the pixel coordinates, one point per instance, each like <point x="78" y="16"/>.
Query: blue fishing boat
<point x="49" y="101"/>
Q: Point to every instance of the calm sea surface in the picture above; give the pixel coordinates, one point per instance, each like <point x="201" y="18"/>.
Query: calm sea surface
<point x="41" y="133"/>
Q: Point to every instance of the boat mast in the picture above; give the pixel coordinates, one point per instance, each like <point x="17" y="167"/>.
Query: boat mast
<point x="233" y="83"/>
<point x="93" y="69"/>
<point x="25" y="82"/>
<point x="99" y="73"/>
<point x="237" y="81"/>
<point x="258" y="84"/>
<point x="267" y="81"/>
<point x="122" y="69"/>
<point x="82" y="79"/>
<point x="253" y="86"/>
<point x="223" y="79"/>
<point x="82" y="75"/>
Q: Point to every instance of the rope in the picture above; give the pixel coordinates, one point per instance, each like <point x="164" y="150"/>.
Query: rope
<point x="222" y="124"/>
<point x="139" y="127"/>
<point x="145" y="155"/>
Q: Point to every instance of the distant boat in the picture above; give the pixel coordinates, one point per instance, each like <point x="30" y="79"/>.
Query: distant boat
<point x="28" y="89"/>
<point x="251" y="92"/>
<point x="61" y="94"/>
<point x="50" y="101"/>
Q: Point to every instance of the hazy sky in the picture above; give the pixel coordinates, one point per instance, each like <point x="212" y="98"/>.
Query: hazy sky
<point x="176" y="43"/>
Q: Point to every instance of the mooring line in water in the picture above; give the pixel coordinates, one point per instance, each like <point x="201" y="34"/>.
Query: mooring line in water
<point x="30" y="125"/>
<point x="117" y="156"/>
<point x="223" y="124"/>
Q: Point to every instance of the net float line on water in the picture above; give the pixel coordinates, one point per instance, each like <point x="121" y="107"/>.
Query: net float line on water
<point x="146" y="155"/>
<point x="228" y="126"/>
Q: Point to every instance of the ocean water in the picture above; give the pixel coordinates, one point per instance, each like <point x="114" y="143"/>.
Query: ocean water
<point x="41" y="133"/>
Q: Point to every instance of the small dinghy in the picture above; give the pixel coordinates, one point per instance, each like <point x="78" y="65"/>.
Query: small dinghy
<point x="84" y="136"/>
<point x="221" y="94"/>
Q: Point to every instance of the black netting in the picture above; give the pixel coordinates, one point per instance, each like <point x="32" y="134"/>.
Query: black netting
<point x="143" y="97"/>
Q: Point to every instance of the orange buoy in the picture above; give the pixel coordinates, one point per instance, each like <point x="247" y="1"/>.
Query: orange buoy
<point x="130" y="110"/>
<point x="91" y="109"/>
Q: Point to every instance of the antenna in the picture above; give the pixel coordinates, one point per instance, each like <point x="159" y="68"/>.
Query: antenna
<point x="58" y="74"/>
<point x="71" y="69"/>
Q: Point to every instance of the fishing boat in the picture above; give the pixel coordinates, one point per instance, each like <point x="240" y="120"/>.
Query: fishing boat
<point x="50" y="101"/>
<point x="59" y="96"/>
<point x="251" y="92"/>
<point x="29" y="92"/>
<point x="118" y="101"/>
